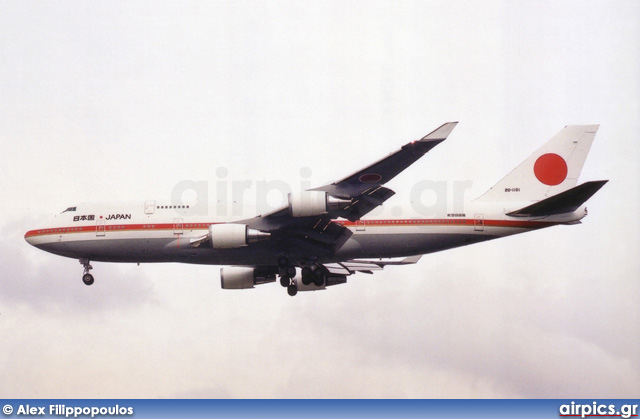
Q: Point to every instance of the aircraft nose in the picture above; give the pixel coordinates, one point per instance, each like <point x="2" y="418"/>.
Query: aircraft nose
<point x="31" y="237"/>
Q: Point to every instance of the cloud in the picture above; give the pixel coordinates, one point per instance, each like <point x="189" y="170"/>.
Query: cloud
<point x="50" y="284"/>
<point x="117" y="103"/>
<point x="490" y="331"/>
<point x="441" y="328"/>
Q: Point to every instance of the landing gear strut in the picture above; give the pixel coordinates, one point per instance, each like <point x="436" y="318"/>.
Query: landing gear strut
<point x="87" y="278"/>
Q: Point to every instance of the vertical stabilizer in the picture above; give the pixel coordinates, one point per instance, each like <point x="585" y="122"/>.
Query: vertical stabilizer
<point x="552" y="169"/>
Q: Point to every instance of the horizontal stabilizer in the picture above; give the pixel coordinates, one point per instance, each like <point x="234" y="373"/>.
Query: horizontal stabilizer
<point x="564" y="202"/>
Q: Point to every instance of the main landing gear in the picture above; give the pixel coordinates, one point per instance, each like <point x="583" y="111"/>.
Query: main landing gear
<point x="87" y="278"/>
<point x="289" y="284"/>
<point x="287" y="273"/>
<point x="310" y="274"/>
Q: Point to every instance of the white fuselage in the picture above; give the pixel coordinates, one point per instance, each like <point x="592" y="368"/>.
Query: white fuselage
<point x="147" y="232"/>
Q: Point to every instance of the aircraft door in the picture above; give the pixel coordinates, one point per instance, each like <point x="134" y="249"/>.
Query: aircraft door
<point x="101" y="228"/>
<point x="149" y="207"/>
<point x="178" y="226"/>
<point x="478" y="223"/>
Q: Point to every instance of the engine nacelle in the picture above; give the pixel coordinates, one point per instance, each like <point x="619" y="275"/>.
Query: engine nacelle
<point x="231" y="236"/>
<point x="312" y="203"/>
<point x="238" y="278"/>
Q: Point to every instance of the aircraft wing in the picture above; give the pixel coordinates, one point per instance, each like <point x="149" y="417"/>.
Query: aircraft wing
<point x="356" y="195"/>
<point x="317" y="235"/>
<point x="384" y="170"/>
<point x="364" y="188"/>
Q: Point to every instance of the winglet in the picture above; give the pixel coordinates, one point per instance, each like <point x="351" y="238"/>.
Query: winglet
<point x="441" y="133"/>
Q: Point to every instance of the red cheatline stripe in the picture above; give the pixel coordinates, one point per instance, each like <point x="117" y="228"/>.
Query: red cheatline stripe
<point x="365" y="223"/>
<point x="115" y="228"/>
<point x="448" y="221"/>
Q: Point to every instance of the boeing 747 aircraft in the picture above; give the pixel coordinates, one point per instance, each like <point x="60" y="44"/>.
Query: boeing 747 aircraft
<point x="322" y="235"/>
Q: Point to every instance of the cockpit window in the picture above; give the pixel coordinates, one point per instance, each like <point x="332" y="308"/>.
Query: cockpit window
<point x="68" y="210"/>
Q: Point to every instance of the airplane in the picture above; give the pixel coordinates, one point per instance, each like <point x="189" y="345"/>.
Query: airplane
<point x="322" y="235"/>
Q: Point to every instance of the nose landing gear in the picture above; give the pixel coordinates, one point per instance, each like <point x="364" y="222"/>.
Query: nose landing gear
<point x="87" y="278"/>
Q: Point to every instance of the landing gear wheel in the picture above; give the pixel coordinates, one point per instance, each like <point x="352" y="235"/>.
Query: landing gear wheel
<point x="318" y="277"/>
<point x="292" y="290"/>
<point x="87" y="279"/>
<point x="307" y="275"/>
<point x="291" y="271"/>
<point x="285" y="281"/>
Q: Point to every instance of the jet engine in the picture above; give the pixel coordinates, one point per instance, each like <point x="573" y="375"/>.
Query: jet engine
<point x="230" y="236"/>
<point x="313" y="203"/>
<point x="237" y="278"/>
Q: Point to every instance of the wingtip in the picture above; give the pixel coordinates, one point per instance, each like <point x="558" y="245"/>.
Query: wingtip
<point x="441" y="133"/>
<point x="591" y="128"/>
<point x="411" y="259"/>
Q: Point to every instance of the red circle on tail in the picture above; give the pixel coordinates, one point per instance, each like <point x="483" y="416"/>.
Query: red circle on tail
<point x="550" y="169"/>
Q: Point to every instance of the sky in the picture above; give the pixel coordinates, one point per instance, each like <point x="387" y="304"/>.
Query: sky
<point x="127" y="101"/>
